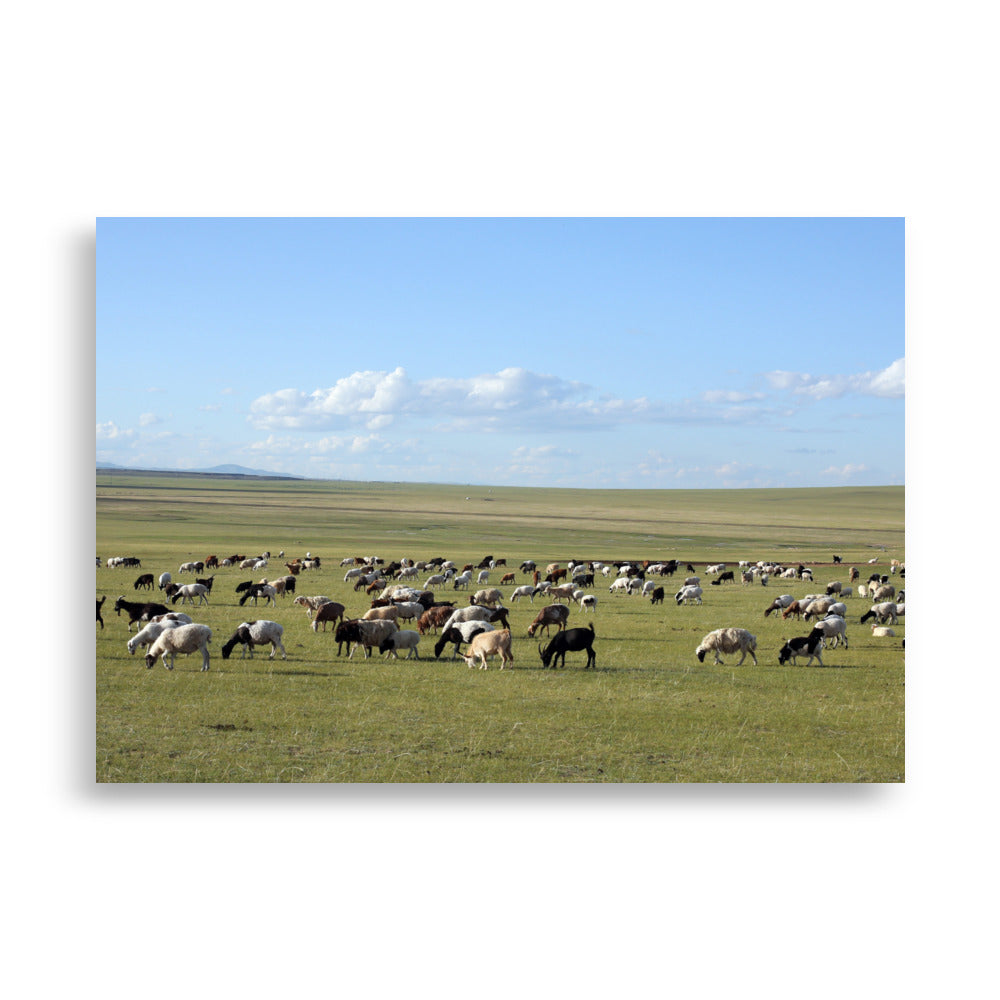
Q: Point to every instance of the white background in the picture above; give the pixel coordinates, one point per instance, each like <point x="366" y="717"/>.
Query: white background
<point x="527" y="109"/>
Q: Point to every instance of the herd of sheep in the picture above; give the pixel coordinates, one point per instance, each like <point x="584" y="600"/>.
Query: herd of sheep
<point x="482" y="626"/>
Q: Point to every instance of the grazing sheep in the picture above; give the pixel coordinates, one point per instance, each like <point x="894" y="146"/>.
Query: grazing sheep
<point x="886" y="613"/>
<point x="433" y="618"/>
<point x="331" y="611"/>
<point x="402" y="639"/>
<point x="834" y="627"/>
<point x="779" y="604"/>
<point x="808" y="645"/>
<point x="884" y="593"/>
<point x="816" y="608"/>
<point x="526" y="591"/>
<point x="256" y="633"/>
<point x="564" y="592"/>
<point x="588" y="602"/>
<point x="174" y="616"/>
<point x="408" y="610"/>
<point x="151" y="633"/>
<point x="366" y="634"/>
<point x="489" y="597"/>
<point x="390" y="613"/>
<point x="728" y="640"/>
<point x="184" y="639"/>
<point x="688" y="594"/>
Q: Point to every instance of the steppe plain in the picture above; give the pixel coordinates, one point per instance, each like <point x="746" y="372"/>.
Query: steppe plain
<point x="649" y="712"/>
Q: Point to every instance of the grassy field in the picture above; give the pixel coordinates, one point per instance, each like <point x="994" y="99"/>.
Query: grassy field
<point x="650" y="712"/>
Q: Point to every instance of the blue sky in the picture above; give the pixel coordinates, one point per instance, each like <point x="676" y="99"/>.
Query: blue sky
<point x="625" y="353"/>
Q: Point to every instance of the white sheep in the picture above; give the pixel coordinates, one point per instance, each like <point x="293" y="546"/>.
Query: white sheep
<point x="184" y="639"/>
<point x="526" y="591"/>
<point x="728" y="640"/>
<point x="833" y="627"/>
<point x="588" y="602"/>
<point x="165" y="578"/>
<point x="409" y="610"/>
<point x="173" y="616"/>
<point x="403" y="639"/>
<point x="886" y="613"/>
<point x="687" y="594"/>
<point x="256" y="633"/>
<point x="881" y="631"/>
<point x="150" y="634"/>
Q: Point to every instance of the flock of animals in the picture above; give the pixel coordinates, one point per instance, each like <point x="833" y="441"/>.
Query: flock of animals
<point x="482" y="626"/>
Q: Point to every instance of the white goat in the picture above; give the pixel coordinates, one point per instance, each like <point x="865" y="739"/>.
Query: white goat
<point x="192" y="591"/>
<point x="488" y="644"/>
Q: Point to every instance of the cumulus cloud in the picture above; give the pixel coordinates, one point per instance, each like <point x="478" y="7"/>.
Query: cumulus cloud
<point x="889" y="383"/>
<point x="149" y="419"/>
<point x="513" y="399"/>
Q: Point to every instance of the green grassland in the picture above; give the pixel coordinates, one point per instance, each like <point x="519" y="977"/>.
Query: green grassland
<point x="650" y="712"/>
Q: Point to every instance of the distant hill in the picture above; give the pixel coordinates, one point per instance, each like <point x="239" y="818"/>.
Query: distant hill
<point x="216" y="470"/>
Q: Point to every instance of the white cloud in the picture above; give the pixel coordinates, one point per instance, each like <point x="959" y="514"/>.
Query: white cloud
<point x="724" y="396"/>
<point x="845" y="471"/>
<point x="110" y="431"/>
<point x="149" y="419"/>
<point x="889" y="383"/>
<point x="512" y="399"/>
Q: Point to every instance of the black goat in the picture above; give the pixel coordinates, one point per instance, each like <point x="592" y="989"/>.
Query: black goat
<point x="145" y="582"/>
<point x="206" y="583"/>
<point x="573" y="640"/>
<point x="657" y="596"/>
<point x="139" y="612"/>
<point x="724" y="577"/>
